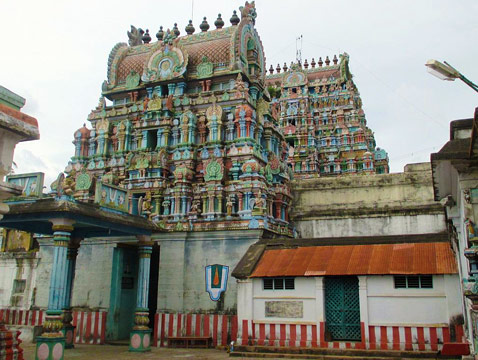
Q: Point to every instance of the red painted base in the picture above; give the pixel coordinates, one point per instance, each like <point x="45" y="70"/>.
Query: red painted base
<point x="455" y="349"/>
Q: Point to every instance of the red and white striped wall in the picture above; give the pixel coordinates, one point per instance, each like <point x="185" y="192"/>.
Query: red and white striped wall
<point x="373" y="337"/>
<point x="90" y="325"/>
<point x="22" y="317"/>
<point x="413" y="338"/>
<point x="222" y="328"/>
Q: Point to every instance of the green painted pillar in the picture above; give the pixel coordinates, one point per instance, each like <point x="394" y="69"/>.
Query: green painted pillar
<point x="140" y="337"/>
<point x="51" y="343"/>
<point x="68" y="328"/>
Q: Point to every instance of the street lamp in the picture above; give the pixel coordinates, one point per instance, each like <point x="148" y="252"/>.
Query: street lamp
<point x="447" y="72"/>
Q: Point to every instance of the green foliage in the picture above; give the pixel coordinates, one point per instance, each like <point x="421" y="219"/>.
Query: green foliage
<point x="274" y="91"/>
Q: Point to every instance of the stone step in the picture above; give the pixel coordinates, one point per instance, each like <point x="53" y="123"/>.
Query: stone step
<point x="321" y="357"/>
<point x="318" y="353"/>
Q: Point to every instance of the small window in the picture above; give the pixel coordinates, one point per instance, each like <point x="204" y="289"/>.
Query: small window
<point x="268" y="284"/>
<point x="426" y="281"/>
<point x="289" y="283"/>
<point x="19" y="286"/>
<point x="400" y="282"/>
<point x="413" y="281"/>
<point x="278" y="283"/>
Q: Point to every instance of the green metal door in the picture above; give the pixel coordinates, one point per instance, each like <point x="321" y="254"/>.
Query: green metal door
<point x="342" y="308"/>
<point x="124" y="281"/>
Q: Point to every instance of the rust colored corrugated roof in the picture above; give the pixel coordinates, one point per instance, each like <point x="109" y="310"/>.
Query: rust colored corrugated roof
<point x="381" y="259"/>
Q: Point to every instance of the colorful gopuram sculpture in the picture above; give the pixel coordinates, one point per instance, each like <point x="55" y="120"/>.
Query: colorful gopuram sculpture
<point x="320" y="114"/>
<point x="190" y="131"/>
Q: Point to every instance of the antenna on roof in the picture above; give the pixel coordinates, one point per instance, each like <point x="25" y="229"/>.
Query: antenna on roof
<point x="298" y="51"/>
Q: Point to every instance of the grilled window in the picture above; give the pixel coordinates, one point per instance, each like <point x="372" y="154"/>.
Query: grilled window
<point x="426" y="282"/>
<point x="289" y="283"/>
<point x="400" y="281"/>
<point x="413" y="281"/>
<point x="278" y="283"/>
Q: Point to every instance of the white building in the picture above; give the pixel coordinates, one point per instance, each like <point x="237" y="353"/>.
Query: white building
<point x="395" y="296"/>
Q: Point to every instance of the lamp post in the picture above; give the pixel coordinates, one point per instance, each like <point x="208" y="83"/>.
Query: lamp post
<point x="445" y="71"/>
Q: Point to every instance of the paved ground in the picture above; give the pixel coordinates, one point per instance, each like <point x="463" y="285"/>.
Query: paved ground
<point x="108" y="352"/>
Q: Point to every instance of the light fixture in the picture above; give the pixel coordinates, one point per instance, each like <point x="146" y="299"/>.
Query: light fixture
<point x="442" y="71"/>
<point x="445" y="71"/>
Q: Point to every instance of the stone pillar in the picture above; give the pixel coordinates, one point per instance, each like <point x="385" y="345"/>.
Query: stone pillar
<point x="240" y="205"/>
<point x="204" y="205"/>
<point x="319" y="299"/>
<point x="363" y="296"/>
<point x="51" y="343"/>
<point x="68" y="328"/>
<point x="219" y="203"/>
<point x="140" y="337"/>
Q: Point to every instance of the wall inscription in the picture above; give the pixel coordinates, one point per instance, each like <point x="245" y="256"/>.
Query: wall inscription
<point x="285" y="309"/>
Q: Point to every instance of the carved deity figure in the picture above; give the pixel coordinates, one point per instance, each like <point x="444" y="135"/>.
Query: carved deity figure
<point x="229" y="205"/>
<point x="146" y="206"/>
<point x="169" y="102"/>
<point x="166" y="204"/>
<point x="260" y="201"/>
<point x="196" y="206"/>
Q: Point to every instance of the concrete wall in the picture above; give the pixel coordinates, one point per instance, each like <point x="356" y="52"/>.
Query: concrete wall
<point x="91" y="287"/>
<point x="17" y="266"/>
<point x="456" y="183"/>
<point x="304" y="294"/>
<point x="183" y="258"/>
<point x="368" y="205"/>
<point x="388" y="306"/>
<point x="45" y="256"/>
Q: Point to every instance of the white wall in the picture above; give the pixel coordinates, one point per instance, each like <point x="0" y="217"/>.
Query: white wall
<point x="304" y="292"/>
<point x="380" y="302"/>
<point x="94" y="264"/>
<point x="22" y="267"/>
<point x="91" y="287"/>
<point x="390" y="306"/>
<point x="371" y="226"/>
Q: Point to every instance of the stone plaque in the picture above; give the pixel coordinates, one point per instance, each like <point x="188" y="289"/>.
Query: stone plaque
<point x="285" y="309"/>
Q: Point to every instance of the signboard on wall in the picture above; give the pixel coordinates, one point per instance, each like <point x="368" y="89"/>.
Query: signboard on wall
<point x="284" y="309"/>
<point x="31" y="184"/>
<point x="112" y="197"/>
<point x="216" y="280"/>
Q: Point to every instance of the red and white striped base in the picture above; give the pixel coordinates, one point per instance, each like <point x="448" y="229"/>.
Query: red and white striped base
<point x="374" y="337"/>
<point x="90" y="325"/>
<point x="222" y="328"/>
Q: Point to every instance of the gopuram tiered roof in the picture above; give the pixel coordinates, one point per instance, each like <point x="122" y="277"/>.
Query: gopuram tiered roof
<point x="320" y="114"/>
<point x="189" y="133"/>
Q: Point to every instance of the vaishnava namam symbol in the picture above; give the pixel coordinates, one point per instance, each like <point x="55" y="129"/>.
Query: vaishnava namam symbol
<point x="216" y="280"/>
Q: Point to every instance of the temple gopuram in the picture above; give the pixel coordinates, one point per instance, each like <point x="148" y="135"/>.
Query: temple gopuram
<point x="190" y="131"/>
<point x="320" y="114"/>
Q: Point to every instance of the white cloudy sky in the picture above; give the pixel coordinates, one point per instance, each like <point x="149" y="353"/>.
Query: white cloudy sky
<point x="55" y="55"/>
